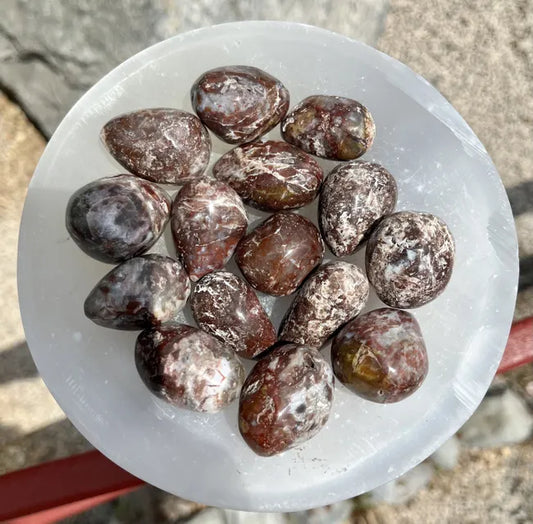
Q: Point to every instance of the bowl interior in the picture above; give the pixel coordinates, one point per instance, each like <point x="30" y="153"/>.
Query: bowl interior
<point x="440" y="167"/>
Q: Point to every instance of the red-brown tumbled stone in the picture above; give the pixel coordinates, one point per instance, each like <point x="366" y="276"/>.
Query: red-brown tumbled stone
<point x="239" y="103"/>
<point x="271" y="175"/>
<point x="285" y="400"/>
<point x="331" y="127"/>
<point x="381" y="355"/>
<point x="227" y="307"/>
<point x="276" y="257"/>
<point x="208" y="220"/>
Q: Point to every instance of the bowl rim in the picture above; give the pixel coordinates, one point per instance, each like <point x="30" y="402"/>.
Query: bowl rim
<point x="462" y="399"/>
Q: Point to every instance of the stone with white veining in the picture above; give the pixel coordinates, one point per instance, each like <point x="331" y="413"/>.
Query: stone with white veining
<point x="271" y="175"/>
<point x="239" y="103"/>
<point x="409" y="258"/>
<point x="335" y="293"/>
<point x="227" y="307"/>
<point x="286" y="399"/>
<point x="164" y="145"/>
<point x="208" y="219"/>
<point x="188" y="367"/>
<point x="353" y="198"/>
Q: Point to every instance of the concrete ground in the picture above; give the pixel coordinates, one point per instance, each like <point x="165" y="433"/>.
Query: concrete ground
<point x="490" y="486"/>
<point x="479" y="54"/>
<point x="32" y="426"/>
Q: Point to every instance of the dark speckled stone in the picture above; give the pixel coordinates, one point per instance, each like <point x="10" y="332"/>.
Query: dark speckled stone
<point x="227" y="307"/>
<point x="140" y="292"/>
<point x="332" y="295"/>
<point x="353" y="198"/>
<point x="409" y="259"/>
<point x="116" y="218"/>
<point x="188" y="368"/>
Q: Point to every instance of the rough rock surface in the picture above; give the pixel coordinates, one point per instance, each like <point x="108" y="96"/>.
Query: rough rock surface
<point x="48" y="66"/>
<point x="486" y="486"/>
<point x="404" y="488"/>
<point x="499" y="420"/>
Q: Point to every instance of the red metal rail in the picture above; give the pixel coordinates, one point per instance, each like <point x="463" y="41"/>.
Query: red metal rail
<point x="55" y="490"/>
<point x="519" y="349"/>
<point x="58" y="489"/>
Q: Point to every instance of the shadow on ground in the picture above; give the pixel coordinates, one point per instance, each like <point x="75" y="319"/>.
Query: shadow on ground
<point x="16" y="363"/>
<point x="61" y="439"/>
<point x="54" y="441"/>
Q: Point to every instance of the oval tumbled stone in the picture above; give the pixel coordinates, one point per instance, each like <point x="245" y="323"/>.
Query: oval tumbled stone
<point x="167" y="146"/>
<point x="409" y="258"/>
<point x="353" y="198"/>
<point x="381" y="355"/>
<point x="239" y="103"/>
<point x="116" y="218"/>
<point x="331" y="127"/>
<point x="141" y="292"/>
<point x="207" y="221"/>
<point x="285" y="400"/>
<point x="188" y="368"/>
<point x="227" y="307"/>
<point x="277" y="255"/>
<point x="271" y="175"/>
<point x="335" y="293"/>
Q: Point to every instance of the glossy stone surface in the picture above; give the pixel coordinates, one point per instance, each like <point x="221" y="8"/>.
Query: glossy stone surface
<point x="188" y="367"/>
<point x="239" y="103"/>
<point x="140" y="292"/>
<point x="285" y="400"/>
<point x="353" y="198"/>
<point x="332" y="295"/>
<point x="163" y="145"/>
<point x="331" y="127"/>
<point x="208" y="220"/>
<point x="227" y="307"/>
<point x="409" y="258"/>
<point x="381" y="355"/>
<point x="116" y="218"/>
<point x="276" y="256"/>
<point x="271" y="175"/>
